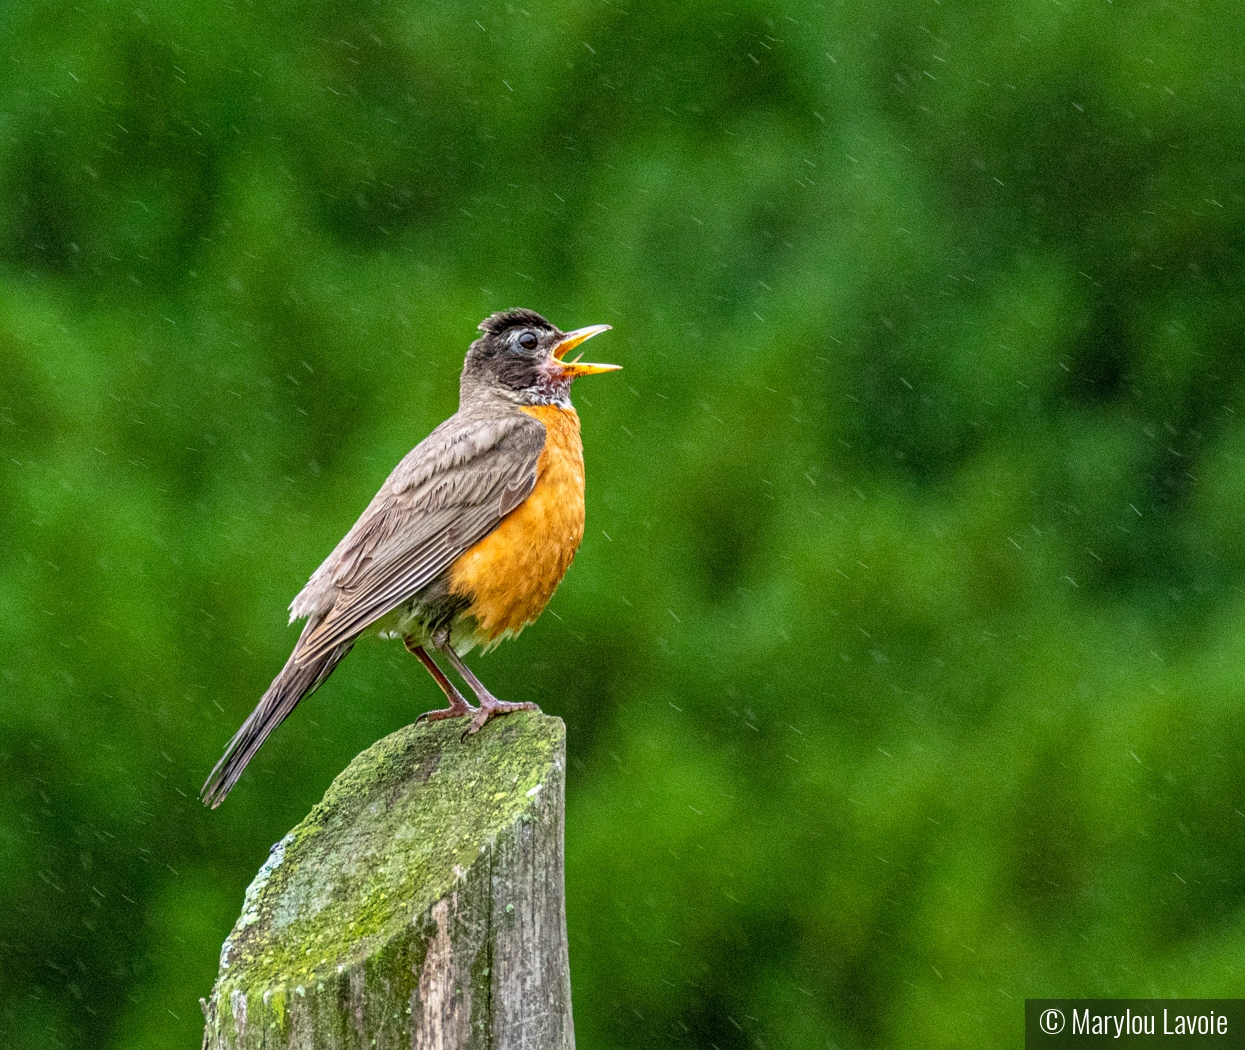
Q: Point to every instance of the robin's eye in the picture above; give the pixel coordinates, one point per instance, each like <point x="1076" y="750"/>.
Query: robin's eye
<point x="528" y="340"/>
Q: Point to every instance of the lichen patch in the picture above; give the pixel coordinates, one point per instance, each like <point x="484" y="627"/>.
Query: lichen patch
<point x="396" y="830"/>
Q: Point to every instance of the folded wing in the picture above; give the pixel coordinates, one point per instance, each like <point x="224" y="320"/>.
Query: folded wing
<point x="448" y="494"/>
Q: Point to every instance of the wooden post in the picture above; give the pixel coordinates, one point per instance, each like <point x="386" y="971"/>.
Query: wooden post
<point x="420" y="904"/>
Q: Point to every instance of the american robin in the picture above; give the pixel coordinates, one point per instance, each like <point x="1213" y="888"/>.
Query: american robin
<point x="465" y="542"/>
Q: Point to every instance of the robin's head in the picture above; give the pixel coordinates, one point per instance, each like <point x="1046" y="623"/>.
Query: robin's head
<point x="523" y="356"/>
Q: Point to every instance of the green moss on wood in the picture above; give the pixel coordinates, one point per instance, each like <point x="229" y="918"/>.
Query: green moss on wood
<point x="394" y="833"/>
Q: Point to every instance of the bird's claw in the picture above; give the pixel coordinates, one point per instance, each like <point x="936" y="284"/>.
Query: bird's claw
<point x="446" y="712"/>
<point x="488" y="711"/>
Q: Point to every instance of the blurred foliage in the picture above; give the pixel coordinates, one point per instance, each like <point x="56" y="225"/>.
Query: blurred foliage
<point x="904" y="659"/>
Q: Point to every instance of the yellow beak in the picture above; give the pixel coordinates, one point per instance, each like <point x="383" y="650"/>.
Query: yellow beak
<point x="571" y="340"/>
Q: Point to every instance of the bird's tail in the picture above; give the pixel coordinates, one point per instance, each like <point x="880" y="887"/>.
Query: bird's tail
<point x="295" y="681"/>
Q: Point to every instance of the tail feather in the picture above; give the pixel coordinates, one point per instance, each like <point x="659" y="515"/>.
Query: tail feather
<point x="295" y="681"/>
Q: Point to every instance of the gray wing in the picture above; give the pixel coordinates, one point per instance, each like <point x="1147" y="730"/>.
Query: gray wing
<point x="449" y="492"/>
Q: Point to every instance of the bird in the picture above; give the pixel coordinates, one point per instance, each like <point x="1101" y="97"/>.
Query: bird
<point x="465" y="542"/>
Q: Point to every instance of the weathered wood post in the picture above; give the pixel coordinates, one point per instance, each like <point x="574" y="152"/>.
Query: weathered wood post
<point x="420" y="904"/>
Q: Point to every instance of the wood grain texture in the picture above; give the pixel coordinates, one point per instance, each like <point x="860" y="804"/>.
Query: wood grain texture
<point x="420" y="904"/>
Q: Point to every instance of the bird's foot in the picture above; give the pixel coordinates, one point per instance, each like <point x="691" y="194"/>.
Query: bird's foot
<point x="454" y="711"/>
<point x="491" y="707"/>
<point x="458" y="706"/>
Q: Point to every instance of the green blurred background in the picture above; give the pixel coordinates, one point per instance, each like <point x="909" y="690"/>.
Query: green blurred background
<point x="903" y="658"/>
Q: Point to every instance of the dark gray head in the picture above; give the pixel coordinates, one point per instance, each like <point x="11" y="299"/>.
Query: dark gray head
<point x="520" y="355"/>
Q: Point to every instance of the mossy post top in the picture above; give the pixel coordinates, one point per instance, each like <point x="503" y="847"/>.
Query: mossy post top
<point x="393" y="834"/>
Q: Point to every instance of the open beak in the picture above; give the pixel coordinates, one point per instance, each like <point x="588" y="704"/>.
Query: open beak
<point x="576" y="367"/>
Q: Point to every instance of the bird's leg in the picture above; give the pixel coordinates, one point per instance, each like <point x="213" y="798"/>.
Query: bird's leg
<point x="458" y="706"/>
<point x="490" y="706"/>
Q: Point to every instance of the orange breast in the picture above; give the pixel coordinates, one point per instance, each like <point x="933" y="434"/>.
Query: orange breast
<point x="511" y="574"/>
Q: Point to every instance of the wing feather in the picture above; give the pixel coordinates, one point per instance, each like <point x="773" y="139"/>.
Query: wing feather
<point x="448" y="494"/>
